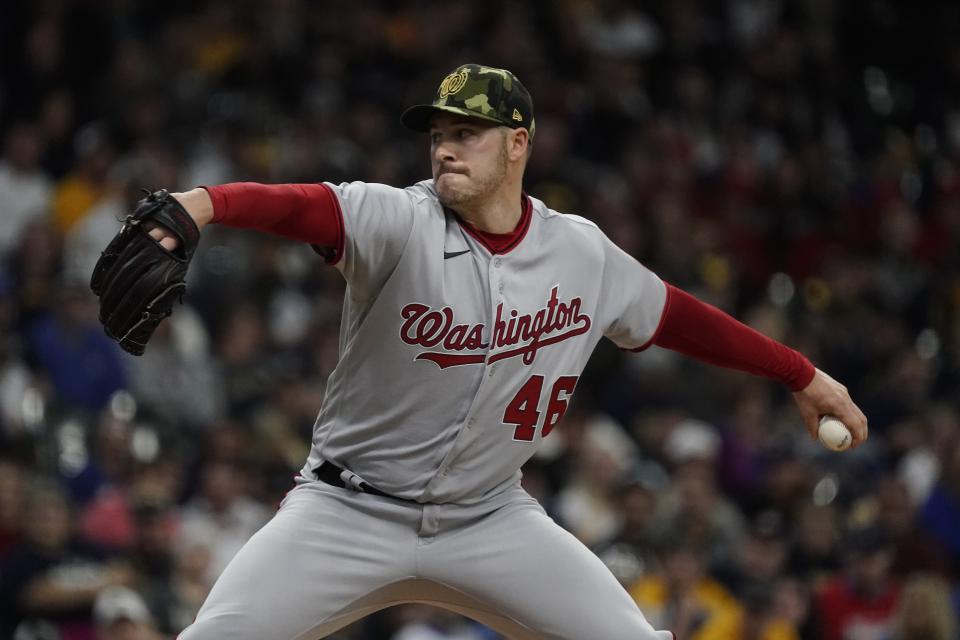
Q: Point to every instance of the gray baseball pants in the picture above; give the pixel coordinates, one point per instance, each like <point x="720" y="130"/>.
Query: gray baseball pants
<point x="331" y="556"/>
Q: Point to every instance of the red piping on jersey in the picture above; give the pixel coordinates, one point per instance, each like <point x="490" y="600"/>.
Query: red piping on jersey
<point x="341" y="234"/>
<point x="656" y="332"/>
<point x="502" y="243"/>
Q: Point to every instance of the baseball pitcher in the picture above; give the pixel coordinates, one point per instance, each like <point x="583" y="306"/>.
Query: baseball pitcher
<point x="470" y="312"/>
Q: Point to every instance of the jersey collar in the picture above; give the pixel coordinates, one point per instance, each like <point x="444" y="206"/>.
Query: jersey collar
<point x="501" y="243"/>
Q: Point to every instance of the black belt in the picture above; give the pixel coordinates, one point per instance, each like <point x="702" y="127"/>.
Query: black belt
<point x="330" y="473"/>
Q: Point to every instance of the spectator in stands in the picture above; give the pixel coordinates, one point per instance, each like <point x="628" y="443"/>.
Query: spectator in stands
<point x="121" y="614"/>
<point x="83" y="364"/>
<point x="684" y="598"/>
<point x="925" y="611"/>
<point x="631" y="552"/>
<point x="221" y="516"/>
<point x="861" y="601"/>
<point x="25" y="190"/>
<point x="51" y="575"/>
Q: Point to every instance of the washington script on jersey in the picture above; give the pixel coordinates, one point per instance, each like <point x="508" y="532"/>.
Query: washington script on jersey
<point x="552" y="323"/>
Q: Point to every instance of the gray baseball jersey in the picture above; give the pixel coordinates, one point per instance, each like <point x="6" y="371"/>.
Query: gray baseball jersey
<point x="454" y="365"/>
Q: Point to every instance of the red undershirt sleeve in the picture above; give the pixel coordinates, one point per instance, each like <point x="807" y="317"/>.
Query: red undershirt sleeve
<point x="305" y="212"/>
<point x="704" y="332"/>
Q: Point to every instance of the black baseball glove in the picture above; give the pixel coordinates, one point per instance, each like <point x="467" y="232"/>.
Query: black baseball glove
<point x="136" y="278"/>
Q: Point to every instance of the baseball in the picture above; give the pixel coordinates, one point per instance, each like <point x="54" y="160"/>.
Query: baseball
<point x="834" y="434"/>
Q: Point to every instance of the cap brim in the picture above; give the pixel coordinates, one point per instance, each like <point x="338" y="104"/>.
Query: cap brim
<point x="418" y="116"/>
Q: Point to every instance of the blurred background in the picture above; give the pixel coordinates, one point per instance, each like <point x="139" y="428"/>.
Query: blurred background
<point x="796" y="163"/>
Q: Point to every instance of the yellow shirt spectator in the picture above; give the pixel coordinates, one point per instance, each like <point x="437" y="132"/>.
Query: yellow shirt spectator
<point x="74" y="197"/>
<point x="708" y="610"/>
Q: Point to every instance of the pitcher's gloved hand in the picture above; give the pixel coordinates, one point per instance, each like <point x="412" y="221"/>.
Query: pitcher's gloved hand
<point x="138" y="279"/>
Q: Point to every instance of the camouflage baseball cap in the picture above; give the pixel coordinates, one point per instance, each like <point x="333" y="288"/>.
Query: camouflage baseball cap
<point x="476" y="91"/>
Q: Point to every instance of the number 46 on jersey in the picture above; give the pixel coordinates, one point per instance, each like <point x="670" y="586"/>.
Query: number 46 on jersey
<point x="523" y="409"/>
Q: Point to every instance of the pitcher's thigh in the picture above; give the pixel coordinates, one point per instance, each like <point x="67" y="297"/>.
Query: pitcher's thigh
<point x="309" y="570"/>
<point x="531" y="570"/>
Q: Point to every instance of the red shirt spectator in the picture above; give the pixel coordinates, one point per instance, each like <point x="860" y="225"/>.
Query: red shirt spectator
<point x="860" y="604"/>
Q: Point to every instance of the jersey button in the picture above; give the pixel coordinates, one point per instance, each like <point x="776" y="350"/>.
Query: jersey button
<point x="497" y="262"/>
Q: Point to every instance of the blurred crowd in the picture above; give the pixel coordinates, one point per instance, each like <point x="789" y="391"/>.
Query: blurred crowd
<point x="796" y="163"/>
